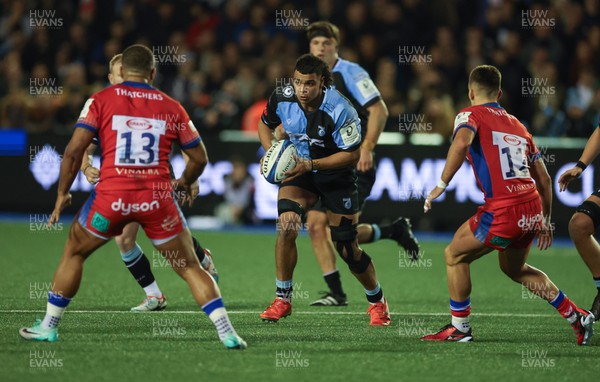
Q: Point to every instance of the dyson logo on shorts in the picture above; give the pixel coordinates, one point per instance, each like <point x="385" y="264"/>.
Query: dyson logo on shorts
<point x="128" y="208"/>
<point x="530" y="222"/>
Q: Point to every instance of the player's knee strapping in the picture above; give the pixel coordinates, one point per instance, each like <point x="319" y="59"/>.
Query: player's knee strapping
<point x="344" y="236"/>
<point x="592" y="210"/>
<point x="287" y="205"/>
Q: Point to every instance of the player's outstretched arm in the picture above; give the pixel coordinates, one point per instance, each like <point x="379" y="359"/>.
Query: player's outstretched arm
<point x="456" y="156"/>
<point x="543" y="182"/>
<point x="70" y="165"/>
<point x="378" y="114"/>
<point x="197" y="161"/>
<point x="87" y="168"/>
<point x="590" y="152"/>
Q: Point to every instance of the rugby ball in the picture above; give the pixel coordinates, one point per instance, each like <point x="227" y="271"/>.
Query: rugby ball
<point x="278" y="160"/>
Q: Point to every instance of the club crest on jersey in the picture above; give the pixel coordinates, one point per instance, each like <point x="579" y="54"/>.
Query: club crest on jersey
<point x="321" y="131"/>
<point x="347" y="203"/>
<point x="288" y="91"/>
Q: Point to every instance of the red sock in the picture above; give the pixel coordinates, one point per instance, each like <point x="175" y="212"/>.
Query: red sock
<point x="566" y="308"/>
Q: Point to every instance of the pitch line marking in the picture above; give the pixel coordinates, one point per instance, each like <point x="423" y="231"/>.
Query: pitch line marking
<point x="524" y="315"/>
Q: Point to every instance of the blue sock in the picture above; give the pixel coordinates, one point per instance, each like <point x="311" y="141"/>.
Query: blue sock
<point x="375" y="295"/>
<point x="558" y="299"/>
<point x="376" y="232"/>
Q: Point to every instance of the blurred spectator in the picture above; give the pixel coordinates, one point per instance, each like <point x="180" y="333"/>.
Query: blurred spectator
<point x="238" y="207"/>
<point x="579" y="99"/>
<point x="234" y="52"/>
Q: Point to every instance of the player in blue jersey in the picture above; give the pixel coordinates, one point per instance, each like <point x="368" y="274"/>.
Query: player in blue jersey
<point x="131" y="253"/>
<point x="326" y="131"/>
<point x="354" y="83"/>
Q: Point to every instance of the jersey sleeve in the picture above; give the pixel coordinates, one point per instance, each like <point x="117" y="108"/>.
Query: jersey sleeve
<point x="361" y="86"/>
<point x="186" y="132"/>
<point x="347" y="133"/>
<point x="89" y="118"/>
<point x="465" y="119"/>
<point x="269" y="116"/>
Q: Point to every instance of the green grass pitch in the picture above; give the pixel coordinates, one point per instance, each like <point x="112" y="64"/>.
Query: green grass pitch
<point x="517" y="336"/>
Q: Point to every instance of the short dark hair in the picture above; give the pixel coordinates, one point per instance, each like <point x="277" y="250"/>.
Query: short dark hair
<point x="488" y="77"/>
<point x="323" y="29"/>
<point x="139" y="59"/>
<point x="309" y="64"/>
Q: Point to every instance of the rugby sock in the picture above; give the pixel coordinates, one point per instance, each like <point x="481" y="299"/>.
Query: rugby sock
<point x="597" y="281"/>
<point x="386" y="231"/>
<point x="139" y="266"/>
<point x="153" y="290"/>
<point x="334" y="283"/>
<point x="284" y="289"/>
<point x="460" y="311"/>
<point x="375" y="295"/>
<point x="54" y="310"/>
<point x="215" y="310"/>
<point x="565" y="307"/>
<point x="204" y="261"/>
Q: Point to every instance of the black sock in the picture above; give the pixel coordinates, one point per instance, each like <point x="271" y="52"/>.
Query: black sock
<point x="386" y="231"/>
<point x="376" y="297"/>
<point x="597" y="281"/>
<point x="141" y="270"/>
<point x="335" y="283"/>
<point x="285" y="293"/>
<point x="198" y="249"/>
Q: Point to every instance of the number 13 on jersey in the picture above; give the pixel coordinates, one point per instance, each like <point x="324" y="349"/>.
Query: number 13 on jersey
<point x="138" y="140"/>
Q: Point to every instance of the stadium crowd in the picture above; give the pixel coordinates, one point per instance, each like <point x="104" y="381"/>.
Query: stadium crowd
<point x="221" y="59"/>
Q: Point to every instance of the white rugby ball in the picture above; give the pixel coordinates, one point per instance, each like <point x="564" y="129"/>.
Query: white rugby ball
<point x="278" y="160"/>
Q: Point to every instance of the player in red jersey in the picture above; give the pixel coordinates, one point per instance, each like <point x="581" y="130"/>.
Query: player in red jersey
<point x="131" y="253"/>
<point x="586" y="218"/>
<point x="505" y="162"/>
<point x="136" y="125"/>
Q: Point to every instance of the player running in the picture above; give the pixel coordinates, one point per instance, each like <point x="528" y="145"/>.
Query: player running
<point x="587" y="216"/>
<point x="325" y="129"/>
<point x="136" y="125"/>
<point x="506" y="163"/>
<point x="355" y="84"/>
<point x="131" y="253"/>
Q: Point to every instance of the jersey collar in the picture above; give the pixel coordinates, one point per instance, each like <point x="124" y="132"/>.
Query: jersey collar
<point x="140" y="85"/>
<point x="493" y="104"/>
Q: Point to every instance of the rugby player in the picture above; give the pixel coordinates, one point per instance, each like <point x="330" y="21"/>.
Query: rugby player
<point x="136" y="125"/>
<point x="506" y="163"/>
<point x="325" y="129"/>
<point x="131" y="252"/>
<point x="586" y="218"/>
<point x="354" y="83"/>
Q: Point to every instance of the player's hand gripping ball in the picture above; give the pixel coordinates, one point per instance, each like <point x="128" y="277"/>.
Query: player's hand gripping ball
<point x="279" y="159"/>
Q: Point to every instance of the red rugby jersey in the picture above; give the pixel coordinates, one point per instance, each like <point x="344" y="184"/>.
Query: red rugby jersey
<point x="500" y="154"/>
<point x="136" y="125"/>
